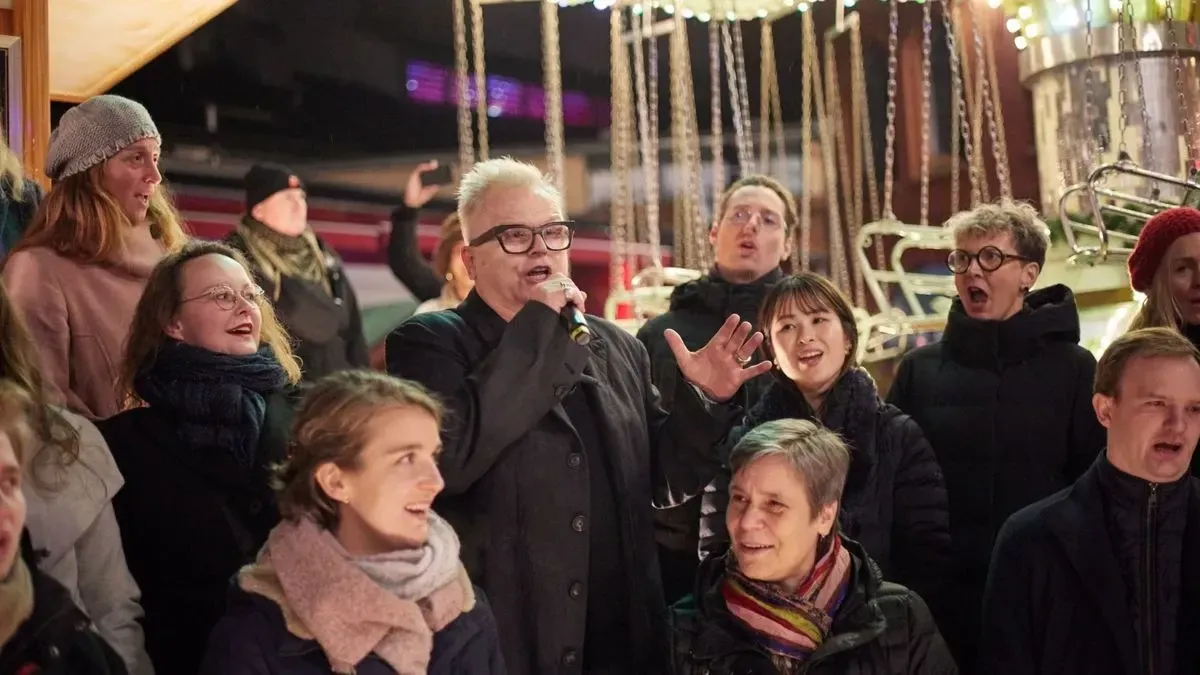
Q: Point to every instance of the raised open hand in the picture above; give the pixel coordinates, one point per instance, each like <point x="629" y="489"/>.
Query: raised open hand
<point x="417" y="194"/>
<point x="720" y="367"/>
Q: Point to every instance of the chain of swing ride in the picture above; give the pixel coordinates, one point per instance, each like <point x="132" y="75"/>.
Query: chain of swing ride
<point x="685" y="142"/>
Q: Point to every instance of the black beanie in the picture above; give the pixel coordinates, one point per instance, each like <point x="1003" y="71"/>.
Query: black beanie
<point x="264" y="180"/>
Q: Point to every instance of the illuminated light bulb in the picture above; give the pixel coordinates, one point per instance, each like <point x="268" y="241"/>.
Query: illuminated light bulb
<point x="802" y="7"/>
<point x="669" y="9"/>
<point x="1013" y="25"/>
<point x="637" y="9"/>
<point x="703" y="16"/>
<point x="730" y="16"/>
<point x="1032" y="30"/>
<point x="1021" y="42"/>
<point x="850" y="3"/>
<point x="762" y="13"/>
<point x="1025" y="12"/>
<point x="687" y="13"/>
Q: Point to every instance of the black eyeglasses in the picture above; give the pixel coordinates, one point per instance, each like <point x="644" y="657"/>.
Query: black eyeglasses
<point x="990" y="259"/>
<point x="517" y="239"/>
<point x="226" y="298"/>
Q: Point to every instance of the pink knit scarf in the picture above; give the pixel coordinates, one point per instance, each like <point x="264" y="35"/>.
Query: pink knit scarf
<point x="326" y="597"/>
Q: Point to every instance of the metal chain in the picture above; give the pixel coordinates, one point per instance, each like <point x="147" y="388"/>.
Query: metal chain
<point x="552" y="72"/>
<point x="1091" y="154"/>
<point x="1177" y="66"/>
<point x="1147" y="137"/>
<point x="781" y="172"/>
<point x="621" y="146"/>
<point x="974" y="95"/>
<point x="858" y="81"/>
<point x="685" y="133"/>
<point x="837" y="255"/>
<point x="645" y="145"/>
<point x="802" y="251"/>
<point x="481" y="93"/>
<point x="960" y="106"/>
<point x="980" y="26"/>
<point x="1122" y="63"/>
<point x="772" y="110"/>
<point x="462" y="73"/>
<point x="717" y="125"/>
<point x="841" y="154"/>
<point x="681" y="61"/>
<point x="743" y="90"/>
<point x="744" y="159"/>
<point x="999" y="141"/>
<point x="926" y="105"/>
<point x="889" y="156"/>
<point x="654" y="178"/>
<point x="767" y="53"/>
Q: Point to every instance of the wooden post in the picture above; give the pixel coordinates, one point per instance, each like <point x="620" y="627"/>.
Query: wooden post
<point x="32" y="24"/>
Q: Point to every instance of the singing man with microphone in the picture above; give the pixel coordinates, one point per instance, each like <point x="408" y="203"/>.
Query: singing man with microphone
<point x="555" y="452"/>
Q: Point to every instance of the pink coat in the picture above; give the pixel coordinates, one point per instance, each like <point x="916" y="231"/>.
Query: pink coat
<point x="79" y="316"/>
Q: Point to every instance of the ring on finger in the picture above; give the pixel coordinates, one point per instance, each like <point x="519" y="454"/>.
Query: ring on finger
<point x="742" y="360"/>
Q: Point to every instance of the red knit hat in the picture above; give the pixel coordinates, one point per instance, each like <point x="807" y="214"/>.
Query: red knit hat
<point x="1156" y="237"/>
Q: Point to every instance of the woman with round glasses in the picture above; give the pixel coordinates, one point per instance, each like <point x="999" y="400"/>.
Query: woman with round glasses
<point x="211" y="371"/>
<point x="1005" y="397"/>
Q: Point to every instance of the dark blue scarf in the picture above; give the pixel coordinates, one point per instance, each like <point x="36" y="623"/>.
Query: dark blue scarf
<point x="218" y="400"/>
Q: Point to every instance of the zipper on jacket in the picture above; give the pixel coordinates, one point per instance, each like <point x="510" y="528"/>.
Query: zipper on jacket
<point x="1148" y="604"/>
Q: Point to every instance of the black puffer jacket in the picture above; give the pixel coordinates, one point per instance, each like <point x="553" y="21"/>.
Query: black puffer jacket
<point x="698" y="309"/>
<point x="894" y="502"/>
<point x="57" y="639"/>
<point x="1007" y="407"/>
<point x="880" y="629"/>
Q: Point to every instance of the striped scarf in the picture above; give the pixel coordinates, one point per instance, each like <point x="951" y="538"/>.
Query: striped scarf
<point x="791" y="626"/>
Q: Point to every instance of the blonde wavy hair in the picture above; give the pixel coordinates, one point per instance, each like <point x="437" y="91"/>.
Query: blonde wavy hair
<point x="1159" y="310"/>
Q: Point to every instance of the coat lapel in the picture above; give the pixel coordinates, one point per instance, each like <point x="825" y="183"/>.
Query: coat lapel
<point x="1078" y="524"/>
<point x="597" y="363"/>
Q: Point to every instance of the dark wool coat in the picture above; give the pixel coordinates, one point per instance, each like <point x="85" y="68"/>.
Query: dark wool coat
<point x="517" y="488"/>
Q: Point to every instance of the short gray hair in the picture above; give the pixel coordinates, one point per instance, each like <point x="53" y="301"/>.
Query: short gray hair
<point x="818" y="454"/>
<point x="503" y="172"/>
<point x="1031" y="235"/>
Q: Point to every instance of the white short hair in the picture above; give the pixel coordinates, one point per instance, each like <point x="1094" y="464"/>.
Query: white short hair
<point x="503" y="172"/>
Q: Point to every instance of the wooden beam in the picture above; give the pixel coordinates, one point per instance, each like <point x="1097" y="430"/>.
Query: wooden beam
<point x="32" y="23"/>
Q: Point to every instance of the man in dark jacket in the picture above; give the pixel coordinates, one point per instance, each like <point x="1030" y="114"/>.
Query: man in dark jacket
<point x="1103" y="578"/>
<point x="1004" y="398"/>
<point x="305" y="280"/>
<point x="554" y="451"/>
<point x="751" y="235"/>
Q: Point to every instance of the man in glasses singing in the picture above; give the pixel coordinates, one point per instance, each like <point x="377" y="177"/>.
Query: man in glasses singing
<point x="556" y="450"/>
<point x="1004" y="398"/>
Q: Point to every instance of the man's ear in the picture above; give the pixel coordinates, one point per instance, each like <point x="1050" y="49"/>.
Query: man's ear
<point x="1029" y="275"/>
<point x="1103" y="405"/>
<point x="712" y="234"/>
<point x="468" y="260"/>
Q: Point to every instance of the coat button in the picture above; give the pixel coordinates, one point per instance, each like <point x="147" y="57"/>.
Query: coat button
<point x="578" y="523"/>
<point x="570" y="657"/>
<point x="338" y="301"/>
<point x="576" y="590"/>
<point x="574" y="460"/>
<point x="53" y="651"/>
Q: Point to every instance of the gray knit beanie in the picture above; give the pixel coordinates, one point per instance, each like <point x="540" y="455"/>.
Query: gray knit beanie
<point x="94" y="131"/>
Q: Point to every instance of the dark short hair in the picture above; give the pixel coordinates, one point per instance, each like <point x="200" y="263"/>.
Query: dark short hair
<point x="1147" y="343"/>
<point x="331" y="426"/>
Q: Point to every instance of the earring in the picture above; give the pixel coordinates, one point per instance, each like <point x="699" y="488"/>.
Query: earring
<point x="449" y="276"/>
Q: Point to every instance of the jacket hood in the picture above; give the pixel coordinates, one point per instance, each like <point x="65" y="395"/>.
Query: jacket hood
<point x="1050" y="316"/>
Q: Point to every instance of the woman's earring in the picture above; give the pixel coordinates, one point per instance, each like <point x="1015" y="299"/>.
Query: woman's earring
<point x="449" y="276"/>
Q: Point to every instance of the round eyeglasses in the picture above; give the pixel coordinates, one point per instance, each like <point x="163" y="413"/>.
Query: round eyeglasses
<point x="990" y="259"/>
<point x="226" y="298"/>
<point x="517" y="239"/>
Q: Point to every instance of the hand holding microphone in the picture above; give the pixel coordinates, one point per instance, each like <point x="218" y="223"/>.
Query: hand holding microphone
<point x="563" y="296"/>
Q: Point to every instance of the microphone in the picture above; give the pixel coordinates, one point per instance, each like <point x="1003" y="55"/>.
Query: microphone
<point x="577" y="326"/>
